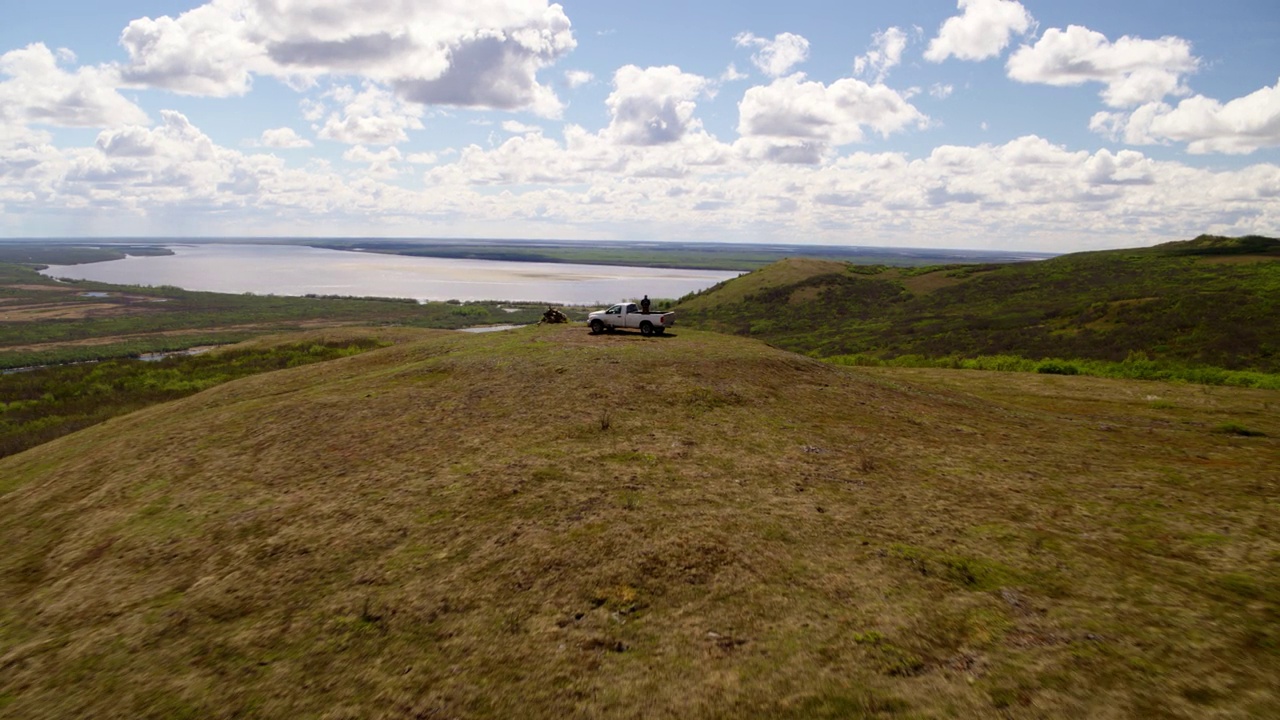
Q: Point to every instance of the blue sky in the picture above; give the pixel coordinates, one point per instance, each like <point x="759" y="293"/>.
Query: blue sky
<point x="979" y="123"/>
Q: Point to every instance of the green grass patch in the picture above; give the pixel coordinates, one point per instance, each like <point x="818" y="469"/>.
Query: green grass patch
<point x="1233" y="428"/>
<point x="968" y="572"/>
<point x="1164" y="370"/>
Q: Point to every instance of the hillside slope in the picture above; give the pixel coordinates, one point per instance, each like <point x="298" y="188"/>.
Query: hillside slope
<point x="545" y="523"/>
<point x="1210" y="301"/>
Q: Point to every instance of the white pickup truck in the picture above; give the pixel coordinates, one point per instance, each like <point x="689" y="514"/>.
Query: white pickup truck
<point x="628" y="315"/>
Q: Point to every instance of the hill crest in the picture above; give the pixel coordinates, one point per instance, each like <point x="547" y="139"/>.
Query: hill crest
<point x="1206" y="302"/>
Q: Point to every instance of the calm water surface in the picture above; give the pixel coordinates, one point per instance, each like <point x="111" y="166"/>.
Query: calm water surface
<point x="298" y="270"/>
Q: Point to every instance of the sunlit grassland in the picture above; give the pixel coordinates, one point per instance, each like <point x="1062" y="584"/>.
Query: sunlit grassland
<point x="546" y="523"/>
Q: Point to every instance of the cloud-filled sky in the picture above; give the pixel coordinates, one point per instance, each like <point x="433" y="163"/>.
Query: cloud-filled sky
<point x="1038" y="125"/>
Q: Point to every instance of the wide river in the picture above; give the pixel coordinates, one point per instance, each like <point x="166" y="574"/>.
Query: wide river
<point x="300" y="270"/>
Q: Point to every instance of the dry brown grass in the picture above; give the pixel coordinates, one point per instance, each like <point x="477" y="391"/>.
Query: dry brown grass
<point x="447" y="528"/>
<point x="930" y="282"/>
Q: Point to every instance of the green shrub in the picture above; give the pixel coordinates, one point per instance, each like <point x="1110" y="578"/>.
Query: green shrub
<point x="1054" y="367"/>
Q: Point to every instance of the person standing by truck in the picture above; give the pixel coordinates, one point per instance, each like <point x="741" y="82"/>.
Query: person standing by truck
<point x="644" y="305"/>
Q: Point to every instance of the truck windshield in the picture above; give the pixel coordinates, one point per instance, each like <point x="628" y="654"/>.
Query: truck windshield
<point x="615" y="310"/>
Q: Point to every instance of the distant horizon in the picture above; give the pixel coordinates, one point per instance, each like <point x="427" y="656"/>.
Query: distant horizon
<point x="546" y="242"/>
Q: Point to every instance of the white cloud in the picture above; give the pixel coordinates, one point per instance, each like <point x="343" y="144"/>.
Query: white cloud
<point x="1238" y="127"/>
<point x="652" y="106"/>
<point x="1028" y="192"/>
<point x="981" y="31"/>
<point x="435" y="52"/>
<point x="1134" y="70"/>
<point x="205" y="51"/>
<point x="794" y="120"/>
<point x="732" y="74"/>
<point x="528" y="159"/>
<point x="362" y="154"/>
<point x="519" y="128"/>
<point x="884" y="54"/>
<point x="42" y="93"/>
<point x="578" y="78"/>
<point x="1124" y="168"/>
<point x="775" y="57"/>
<point x="583" y="157"/>
<point x="1133" y="128"/>
<point x="175" y="137"/>
<point x="283" y="137"/>
<point x="140" y="166"/>
<point x="312" y="110"/>
<point x="424" y="158"/>
<point x="373" y="116"/>
<point x="941" y="91"/>
<point x="380" y="164"/>
<point x="173" y="176"/>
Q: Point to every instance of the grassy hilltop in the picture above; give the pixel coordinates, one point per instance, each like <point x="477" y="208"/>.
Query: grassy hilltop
<point x="1206" y="302"/>
<point x="545" y="523"/>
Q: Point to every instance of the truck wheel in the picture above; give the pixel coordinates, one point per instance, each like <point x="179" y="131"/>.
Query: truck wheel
<point x="646" y="328"/>
<point x="596" y="327"/>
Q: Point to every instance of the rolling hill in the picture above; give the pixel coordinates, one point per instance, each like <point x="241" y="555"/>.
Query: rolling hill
<point x="1206" y="302"/>
<point x="545" y="523"/>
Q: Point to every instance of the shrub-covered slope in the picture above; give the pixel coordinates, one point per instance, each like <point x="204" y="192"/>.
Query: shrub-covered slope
<point x="546" y="523"/>
<point x="1210" y="301"/>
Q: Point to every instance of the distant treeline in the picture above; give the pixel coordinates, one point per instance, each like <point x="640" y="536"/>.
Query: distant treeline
<point x="697" y="256"/>
<point x="45" y="254"/>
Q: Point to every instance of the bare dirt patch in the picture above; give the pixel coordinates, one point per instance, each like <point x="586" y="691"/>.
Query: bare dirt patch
<point x="32" y="313"/>
<point x="43" y="288"/>
<point x="805" y="295"/>
<point x="925" y="284"/>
